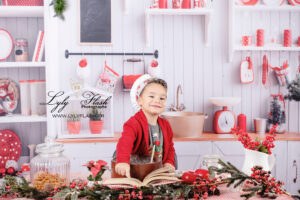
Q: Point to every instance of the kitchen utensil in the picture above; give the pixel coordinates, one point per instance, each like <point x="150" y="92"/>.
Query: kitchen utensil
<point x="246" y="71"/>
<point x="260" y="126"/>
<point x="6" y="44"/>
<point x="224" y="120"/>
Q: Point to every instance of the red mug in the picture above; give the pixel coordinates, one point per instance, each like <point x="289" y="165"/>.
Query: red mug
<point x="163" y="3"/>
<point x="186" y="4"/>
<point x="246" y="40"/>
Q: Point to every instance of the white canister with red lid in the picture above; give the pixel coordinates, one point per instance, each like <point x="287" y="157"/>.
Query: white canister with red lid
<point x="38" y="97"/>
<point x="25" y="97"/>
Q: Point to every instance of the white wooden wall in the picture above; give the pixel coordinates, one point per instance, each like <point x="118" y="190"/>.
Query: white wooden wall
<point x="203" y="72"/>
<point x="29" y="133"/>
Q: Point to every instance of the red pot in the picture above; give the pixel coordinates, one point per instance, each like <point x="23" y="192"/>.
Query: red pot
<point x="186" y="4"/>
<point x="96" y="126"/>
<point x="73" y="127"/>
<point x="163" y="4"/>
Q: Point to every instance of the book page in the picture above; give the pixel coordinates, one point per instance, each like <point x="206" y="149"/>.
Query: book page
<point x="158" y="171"/>
<point x="159" y="178"/>
<point x="123" y="181"/>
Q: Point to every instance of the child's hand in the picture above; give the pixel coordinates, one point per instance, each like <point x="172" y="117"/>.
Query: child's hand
<point x="123" y="169"/>
<point x="170" y="166"/>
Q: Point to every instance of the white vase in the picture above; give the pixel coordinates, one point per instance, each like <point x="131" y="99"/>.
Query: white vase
<point x="256" y="158"/>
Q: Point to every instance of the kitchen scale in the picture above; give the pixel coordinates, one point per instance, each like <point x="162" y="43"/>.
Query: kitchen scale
<point x="224" y="120"/>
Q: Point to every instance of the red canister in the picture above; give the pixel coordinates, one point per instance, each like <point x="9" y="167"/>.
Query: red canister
<point x="242" y="122"/>
<point x="260" y="38"/>
<point x="186" y="4"/>
<point x="287" y="39"/>
<point x="163" y="3"/>
<point x="246" y="40"/>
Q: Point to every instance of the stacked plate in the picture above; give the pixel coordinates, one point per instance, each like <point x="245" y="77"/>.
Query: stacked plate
<point x="6" y="44"/>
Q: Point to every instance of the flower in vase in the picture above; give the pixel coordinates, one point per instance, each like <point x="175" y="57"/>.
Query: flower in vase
<point x="97" y="168"/>
<point x="264" y="146"/>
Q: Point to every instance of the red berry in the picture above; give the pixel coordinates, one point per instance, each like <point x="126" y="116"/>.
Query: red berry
<point x="140" y="193"/>
<point x="120" y="197"/>
<point x="127" y="191"/>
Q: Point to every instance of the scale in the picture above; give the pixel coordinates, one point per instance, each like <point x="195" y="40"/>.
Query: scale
<point x="224" y="120"/>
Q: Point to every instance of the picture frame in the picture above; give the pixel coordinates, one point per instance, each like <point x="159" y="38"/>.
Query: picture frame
<point x="95" y="22"/>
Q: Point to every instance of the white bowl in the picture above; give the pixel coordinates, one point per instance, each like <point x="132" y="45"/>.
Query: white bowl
<point x="225" y="101"/>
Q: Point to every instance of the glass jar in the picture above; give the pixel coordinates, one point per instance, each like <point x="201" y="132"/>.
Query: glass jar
<point x="276" y="114"/>
<point x="21" y="50"/>
<point x="49" y="168"/>
<point x="211" y="161"/>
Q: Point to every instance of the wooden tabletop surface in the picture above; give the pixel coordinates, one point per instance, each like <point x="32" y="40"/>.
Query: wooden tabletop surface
<point x="288" y="136"/>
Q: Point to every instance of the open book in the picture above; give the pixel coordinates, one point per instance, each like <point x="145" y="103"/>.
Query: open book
<point x="159" y="175"/>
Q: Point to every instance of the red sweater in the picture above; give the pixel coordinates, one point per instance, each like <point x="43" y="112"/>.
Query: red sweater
<point x="135" y="139"/>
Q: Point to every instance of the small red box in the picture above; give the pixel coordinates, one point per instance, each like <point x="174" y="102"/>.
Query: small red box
<point x="128" y="80"/>
<point x="23" y="2"/>
<point x="299" y="41"/>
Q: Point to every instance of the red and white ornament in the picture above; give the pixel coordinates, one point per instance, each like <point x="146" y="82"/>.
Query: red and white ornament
<point x="83" y="71"/>
<point x="154" y="69"/>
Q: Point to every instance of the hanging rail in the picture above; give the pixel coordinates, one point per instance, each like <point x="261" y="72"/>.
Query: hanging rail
<point x="155" y="54"/>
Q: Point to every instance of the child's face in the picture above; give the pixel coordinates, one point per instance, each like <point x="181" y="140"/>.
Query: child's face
<point x="153" y="99"/>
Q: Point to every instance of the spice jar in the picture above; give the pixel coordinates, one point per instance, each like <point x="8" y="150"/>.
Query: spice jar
<point x="211" y="161"/>
<point x="276" y="114"/>
<point x="21" y="50"/>
<point x="49" y="168"/>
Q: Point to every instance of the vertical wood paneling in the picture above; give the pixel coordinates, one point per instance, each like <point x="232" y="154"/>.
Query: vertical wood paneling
<point x="202" y="71"/>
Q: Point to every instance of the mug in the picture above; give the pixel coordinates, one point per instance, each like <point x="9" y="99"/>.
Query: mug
<point x="260" y="125"/>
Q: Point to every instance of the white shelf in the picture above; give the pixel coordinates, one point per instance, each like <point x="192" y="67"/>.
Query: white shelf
<point x="266" y="48"/>
<point x="21" y="64"/>
<point x="233" y="9"/>
<point x="22" y="118"/>
<point x="282" y="8"/>
<point x="87" y="134"/>
<point x="198" y="11"/>
<point x="21" y="11"/>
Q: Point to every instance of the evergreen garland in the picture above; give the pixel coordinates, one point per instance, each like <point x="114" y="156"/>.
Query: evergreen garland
<point x="59" y="7"/>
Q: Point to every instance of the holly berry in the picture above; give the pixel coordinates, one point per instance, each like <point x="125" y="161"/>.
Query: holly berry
<point x="10" y="171"/>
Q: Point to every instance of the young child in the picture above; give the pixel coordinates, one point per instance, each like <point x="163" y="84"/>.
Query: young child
<point x="142" y="130"/>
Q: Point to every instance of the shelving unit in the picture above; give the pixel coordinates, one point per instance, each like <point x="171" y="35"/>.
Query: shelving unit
<point x="206" y="12"/>
<point x="283" y="8"/>
<point x="233" y="9"/>
<point x="22" y="118"/>
<point x="21" y="64"/>
<point x="21" y="11"/>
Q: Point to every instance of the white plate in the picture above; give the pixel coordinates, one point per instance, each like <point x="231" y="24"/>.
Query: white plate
<point x="225" y="101"/>
<point x="247" y="2"/>
<point x="6" y="44"/>
<point x="295" y="2"/>
<point x="273" y="2"/>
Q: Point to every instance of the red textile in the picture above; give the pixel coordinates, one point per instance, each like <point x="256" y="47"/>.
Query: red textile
<point x="135" y="139"/>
